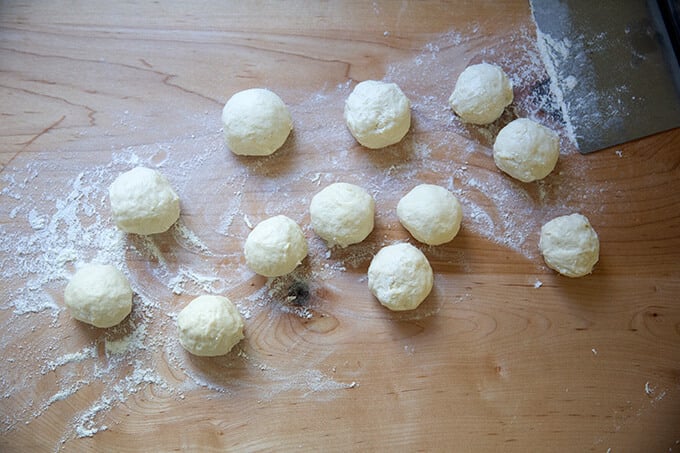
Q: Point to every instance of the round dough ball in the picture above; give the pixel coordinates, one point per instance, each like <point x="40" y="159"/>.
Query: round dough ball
<point x="481" y="94"/>
<point x="209" y="326"/>
<point x="570" y="245"/>
<point x="430" y="213"/>
<point x="400" y="277"/>
<point x="99" y="294"/>
<point x="275" y="247"/>
<point x="143" y="202"/>
<point x="378" y="114"/>
<point x="526" y="150"/>
<point x="342" y="214"/>
<point x="256" y="122"/>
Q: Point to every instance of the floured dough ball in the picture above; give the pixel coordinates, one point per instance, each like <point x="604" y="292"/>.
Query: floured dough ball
<point x="209" y="326"/>
<point x="378" y="114"/>
<point x="430" y="213"/>
<point x="143" y="202"/>
<point x="481" y="94"/>
<point x="256" y="122"/>
<point x="526" y="150"/>
<point x="400" y="277"/>
<point x="342" y="214"/>
<point x="570" y="245"/>
<point x="99" y="294"/>
<point x="275" y="247"/>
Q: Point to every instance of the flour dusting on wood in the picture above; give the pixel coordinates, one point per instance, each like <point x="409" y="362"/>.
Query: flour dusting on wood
<point x="55" y="228"/>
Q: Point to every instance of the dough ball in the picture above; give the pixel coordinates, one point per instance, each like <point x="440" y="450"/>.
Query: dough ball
<point x="143" y="202"/>
<point x="342" y="214"/>
<point x="275" y="247"/>
<point x="430" y="213"/>
<point x="481" y="94"/>
<point x="256" y="122"/>
<point x="570" y="245"/>
<point x="400" y="277"/>
<point x="378" y="114"/>
<point x="99" y="294"/>
<point x="209" y="326"/>
<point x="526" y="150"/>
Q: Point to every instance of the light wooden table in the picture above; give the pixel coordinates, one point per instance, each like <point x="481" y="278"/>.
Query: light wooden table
<point x="505" y="355"/>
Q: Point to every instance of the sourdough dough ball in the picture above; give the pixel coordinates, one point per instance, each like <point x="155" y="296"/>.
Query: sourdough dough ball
<point x="378" y="114"/>
<point x="400" y="277"/>
<point x="143" y="202"/>
<point x="99" y="294"/>
<point x="342" y="214"/>
<point x="570" y="245"/>
<point x="526" y="150"/>
<point x="481" y="94"/>
<point x="209" y="326"/>
<point x="430" y="213"/>
<point x="256" y="122"/>
<point x="275" y="247"/>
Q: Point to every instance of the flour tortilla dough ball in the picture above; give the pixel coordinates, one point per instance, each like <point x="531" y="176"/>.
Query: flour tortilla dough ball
<point x="570" y="245"/>
<point x="526" y="150"/>
<point x="256" y="122"/>
<point x="209" y="326"/>
<point x="400" y="277"/>
<point x="143" y="202"/>
<point x="275" y="246"/>
<point x="430" y="213"/>
<point x="481" y="94"/>
<point x="378" y="114"/>
<point x="99" y="294"/>
<point x="342" y="214"/>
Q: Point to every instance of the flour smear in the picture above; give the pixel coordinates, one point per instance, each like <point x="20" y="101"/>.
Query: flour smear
<point x="50" y="230"/>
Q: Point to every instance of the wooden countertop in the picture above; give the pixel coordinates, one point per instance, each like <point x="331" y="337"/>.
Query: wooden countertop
<point x="504" y="355"/>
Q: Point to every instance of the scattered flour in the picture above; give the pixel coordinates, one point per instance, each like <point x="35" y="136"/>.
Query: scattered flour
<point x="189" y="239"/>
<point x="548" y="48"/>
<point x="53" y="228"/>
<point x="86" y="424"/>
<point x="649" y="389"/>
<point x="89" y="352"/>
<point x="123" y="345"/>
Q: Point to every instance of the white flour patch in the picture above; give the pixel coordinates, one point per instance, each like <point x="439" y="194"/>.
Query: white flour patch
<point x="187" y="281"/>
<point x="550" y="50"/>
<point x="89" y="352"/>
<point x="86" y="423"/>
<point x="132" y="341"/>
<point x="189" y="239"/>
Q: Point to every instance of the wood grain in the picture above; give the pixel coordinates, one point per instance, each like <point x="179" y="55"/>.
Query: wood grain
<point x="504" y="355"/>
